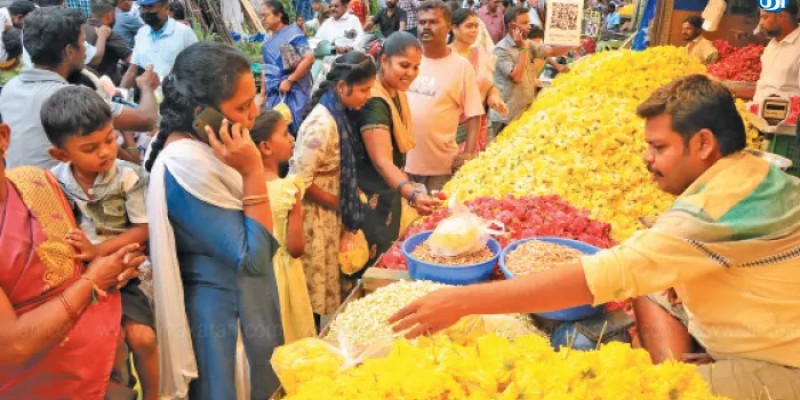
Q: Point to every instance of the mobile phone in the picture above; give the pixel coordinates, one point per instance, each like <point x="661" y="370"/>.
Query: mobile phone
<point x="209" y="117"/>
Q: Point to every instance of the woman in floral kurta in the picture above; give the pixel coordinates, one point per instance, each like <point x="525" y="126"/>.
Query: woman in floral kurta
<point x="316" y="160"/>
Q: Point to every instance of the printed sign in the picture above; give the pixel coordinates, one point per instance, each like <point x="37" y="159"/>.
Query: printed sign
<point x="592" y="23"/>
<point x="564" y="22"/>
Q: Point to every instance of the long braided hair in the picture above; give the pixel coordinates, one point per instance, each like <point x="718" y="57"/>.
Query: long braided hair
<point x="353" y="68"/>
<point x="204" y="74"/>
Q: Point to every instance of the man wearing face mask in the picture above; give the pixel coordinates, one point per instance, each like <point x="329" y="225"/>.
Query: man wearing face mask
<point x="55" y="40"/>
<point x="780" y="74"/>
<point x="158" y="42"/>
<point x="390" y="19"/>
<point x="111" y="48"/>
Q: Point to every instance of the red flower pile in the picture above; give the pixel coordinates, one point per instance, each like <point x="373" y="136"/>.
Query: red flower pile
<point x="523" y="217"/>
<point x="741" y="64"/>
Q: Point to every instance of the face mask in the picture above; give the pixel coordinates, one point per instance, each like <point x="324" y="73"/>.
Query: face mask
<point x="151" y="19"/>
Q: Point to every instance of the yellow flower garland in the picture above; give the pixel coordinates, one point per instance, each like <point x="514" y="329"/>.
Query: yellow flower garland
<point x="581" y="139"/>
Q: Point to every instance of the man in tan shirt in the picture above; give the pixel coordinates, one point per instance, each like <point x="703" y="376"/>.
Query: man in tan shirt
<point x="698" y="47"/>
<point x="729" y="246"/>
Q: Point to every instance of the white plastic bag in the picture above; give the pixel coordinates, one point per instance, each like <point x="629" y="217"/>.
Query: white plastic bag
<point x="461" y="233"/>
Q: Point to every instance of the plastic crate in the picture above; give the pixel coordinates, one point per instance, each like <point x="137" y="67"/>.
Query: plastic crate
<point x="785" y="145"/>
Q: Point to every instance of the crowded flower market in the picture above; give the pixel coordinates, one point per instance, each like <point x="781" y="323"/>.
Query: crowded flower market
<point x="399" y="199"/>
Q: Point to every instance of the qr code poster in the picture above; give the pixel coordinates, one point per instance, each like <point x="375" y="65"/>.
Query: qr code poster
<point x="564" y="22"/>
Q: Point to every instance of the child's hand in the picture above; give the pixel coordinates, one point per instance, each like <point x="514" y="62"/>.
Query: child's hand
<point x="84" y="249"/>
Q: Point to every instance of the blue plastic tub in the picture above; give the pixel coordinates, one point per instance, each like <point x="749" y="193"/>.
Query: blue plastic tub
<point x="569" y="314"/>
<point x="452" y="275"/>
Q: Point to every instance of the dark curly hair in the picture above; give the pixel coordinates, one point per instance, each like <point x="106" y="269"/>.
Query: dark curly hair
<point x="205" y="74"/>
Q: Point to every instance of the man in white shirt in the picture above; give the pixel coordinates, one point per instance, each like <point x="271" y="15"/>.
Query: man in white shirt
<point x="159" y="42"/>
<point x="342" y="29"/>
<point x="780" y="74"/>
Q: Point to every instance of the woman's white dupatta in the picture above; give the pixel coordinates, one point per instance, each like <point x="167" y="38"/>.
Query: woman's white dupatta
<point x="199" y="172"/>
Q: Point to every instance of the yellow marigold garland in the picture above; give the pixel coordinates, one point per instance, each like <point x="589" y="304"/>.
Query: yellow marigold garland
<point x="582" y="140"/>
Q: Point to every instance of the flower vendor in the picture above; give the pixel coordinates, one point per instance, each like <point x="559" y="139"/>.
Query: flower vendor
<point x="728" y="246"/>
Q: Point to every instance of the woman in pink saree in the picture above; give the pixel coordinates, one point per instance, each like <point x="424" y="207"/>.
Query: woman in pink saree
<point x="59" y="318"/>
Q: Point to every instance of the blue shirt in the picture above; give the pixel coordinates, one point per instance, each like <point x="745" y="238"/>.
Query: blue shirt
<point x="160" y="48"/>
<point x="613" y="20"/>
<point x="127" y="25"/>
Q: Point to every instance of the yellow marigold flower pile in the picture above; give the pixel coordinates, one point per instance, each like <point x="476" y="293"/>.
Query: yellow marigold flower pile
<point x="495" y="368"/>
<point x="581" y="139"/>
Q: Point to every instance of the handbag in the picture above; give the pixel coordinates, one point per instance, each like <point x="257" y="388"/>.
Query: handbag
<point x="290" y="57"/>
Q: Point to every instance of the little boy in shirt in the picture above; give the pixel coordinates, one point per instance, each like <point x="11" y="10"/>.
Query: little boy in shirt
<point x="108" y="198"/>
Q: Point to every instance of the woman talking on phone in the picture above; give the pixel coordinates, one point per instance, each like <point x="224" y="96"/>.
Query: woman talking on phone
<point x="210" y="230"/>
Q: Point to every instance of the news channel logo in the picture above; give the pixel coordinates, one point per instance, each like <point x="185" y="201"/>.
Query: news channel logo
<point x="774" y="6"/>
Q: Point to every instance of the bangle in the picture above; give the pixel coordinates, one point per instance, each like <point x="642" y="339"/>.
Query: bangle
<point x="254" y="202"/>
<point x="401" y="185"/>
<point x="70" y="311"/>
<point x="96" y="291"/>
<point x="255" y="199"/>
<point x="131" y="148"/>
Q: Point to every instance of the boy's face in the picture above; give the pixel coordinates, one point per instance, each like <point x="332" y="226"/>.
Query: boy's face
<point x="93" y="153"/>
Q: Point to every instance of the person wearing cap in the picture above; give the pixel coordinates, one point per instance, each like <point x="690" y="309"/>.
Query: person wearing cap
<point x="697" y="46"/>
<point x="158" y="42"/>
<point x="780" y="73"/>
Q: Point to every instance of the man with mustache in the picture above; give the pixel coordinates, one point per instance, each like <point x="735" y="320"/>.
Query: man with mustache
<point x="342" y="29"/>
<point x="729" y="246"/>
<point x="698" y="46"/>
<point x="444" y="90"/>
<point x="780" y="74"/>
